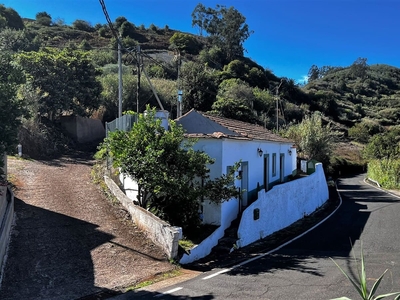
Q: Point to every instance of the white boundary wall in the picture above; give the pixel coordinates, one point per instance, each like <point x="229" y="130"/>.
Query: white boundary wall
<point x="282" y="206"/>
<point x="160" y="232"/>
<point x="230" y="209"/>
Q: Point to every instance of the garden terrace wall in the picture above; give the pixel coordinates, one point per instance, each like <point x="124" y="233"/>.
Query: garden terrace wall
<point x="161" y="233"/>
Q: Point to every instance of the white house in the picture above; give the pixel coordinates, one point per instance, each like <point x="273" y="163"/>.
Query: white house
<point x="266" y="158"/>
<point x="267" y="161"/>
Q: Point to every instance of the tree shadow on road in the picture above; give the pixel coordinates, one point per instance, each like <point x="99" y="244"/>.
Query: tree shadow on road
<point x="142" y="294"/>
<point x="333" y="238"/>
<point x="50" y="256"/>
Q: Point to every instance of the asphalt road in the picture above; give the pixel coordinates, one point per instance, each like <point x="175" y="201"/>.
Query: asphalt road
<point x="303" y="269"/>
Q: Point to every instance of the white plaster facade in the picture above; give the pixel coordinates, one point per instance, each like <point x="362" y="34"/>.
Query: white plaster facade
<point x="265" y="158"/>
<point x="282" y="206"/>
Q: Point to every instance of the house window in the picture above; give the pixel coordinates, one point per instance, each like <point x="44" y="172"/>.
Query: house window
<point x="229" y="169"/>
<point x="273" y="164"/>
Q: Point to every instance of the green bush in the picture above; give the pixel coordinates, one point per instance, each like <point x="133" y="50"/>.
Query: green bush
<point x="386" y="172"/>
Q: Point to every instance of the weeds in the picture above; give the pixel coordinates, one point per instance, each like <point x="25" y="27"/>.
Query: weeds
<point x="157" y="278"/>
<point x="361" y="283"/>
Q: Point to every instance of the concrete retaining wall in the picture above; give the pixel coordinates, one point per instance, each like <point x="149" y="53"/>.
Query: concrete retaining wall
<point x="83" y="130"/>
<point x="160" y="232"/>
<point x="6" y="219"/>
<point x="282" y="206"/>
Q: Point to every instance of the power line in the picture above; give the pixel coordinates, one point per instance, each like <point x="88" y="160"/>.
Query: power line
<point x="113" y="31"/>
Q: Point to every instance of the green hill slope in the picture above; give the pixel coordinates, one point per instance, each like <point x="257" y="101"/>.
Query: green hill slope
<point x="374" y="95"/>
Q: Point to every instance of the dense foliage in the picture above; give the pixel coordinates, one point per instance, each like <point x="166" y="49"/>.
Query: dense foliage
<point x="359" y="100"/>
<point x="383" y="154"/>
<point x="172" y="176"/>
<point x="65" y="81"/>
<point x="313" y="139"/>
<point x="11" y="109"/>
<point x="386" y="172"/>
<point x="348" y="95"/>
<point x="9" y="18"/>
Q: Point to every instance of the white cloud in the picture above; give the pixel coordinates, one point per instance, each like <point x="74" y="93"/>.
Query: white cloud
<point x="303" y="80"/>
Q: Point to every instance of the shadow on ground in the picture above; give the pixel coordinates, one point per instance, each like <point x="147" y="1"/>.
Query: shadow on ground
<point x="50" y="257"/>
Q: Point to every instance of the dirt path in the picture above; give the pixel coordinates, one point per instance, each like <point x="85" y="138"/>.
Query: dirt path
<point x="69" y="241"/>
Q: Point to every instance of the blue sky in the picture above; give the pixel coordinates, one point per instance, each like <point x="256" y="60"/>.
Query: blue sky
<point x="289" y="35"/>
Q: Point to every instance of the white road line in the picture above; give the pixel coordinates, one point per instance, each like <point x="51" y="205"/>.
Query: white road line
<point x="217" y="273"/>
<point x="281" y="246"/>
<point x="381" y="189"/>
<point x="168" y="292"/>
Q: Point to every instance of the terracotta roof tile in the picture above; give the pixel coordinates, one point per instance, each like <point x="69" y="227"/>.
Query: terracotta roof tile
<point x="199" y="124"/>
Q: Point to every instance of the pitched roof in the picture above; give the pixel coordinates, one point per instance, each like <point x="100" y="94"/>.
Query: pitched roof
<point x="199" y="124"/>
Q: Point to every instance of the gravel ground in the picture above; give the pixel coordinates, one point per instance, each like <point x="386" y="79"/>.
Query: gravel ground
<point x="69" y="241"/>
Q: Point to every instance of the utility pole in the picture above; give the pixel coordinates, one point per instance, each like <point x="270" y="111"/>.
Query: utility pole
<point x="119" y="78"/>
<point x="138" y="66"/>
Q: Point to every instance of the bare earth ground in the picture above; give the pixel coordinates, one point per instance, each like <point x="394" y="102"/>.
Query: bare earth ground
<point x="69" y="241"/>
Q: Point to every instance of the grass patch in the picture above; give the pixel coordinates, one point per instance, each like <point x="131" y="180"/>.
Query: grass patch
<point x="97" y="175"/>
<point x="157" y="278"/>
<point x="186" y="244"/>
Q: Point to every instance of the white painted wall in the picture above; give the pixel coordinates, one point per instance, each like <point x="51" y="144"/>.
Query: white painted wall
<point x="236" y="150"/>
<point x="282" y="206"/>
<point x="213" y="147"/>
<point x="226" y="152"/>
<point x="130" y="186"/>
<point x="211" y="213"/>
<point x="230" y="209"/>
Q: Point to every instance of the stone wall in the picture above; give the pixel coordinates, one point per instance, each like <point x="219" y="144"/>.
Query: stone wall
<point x="163" y="234"/>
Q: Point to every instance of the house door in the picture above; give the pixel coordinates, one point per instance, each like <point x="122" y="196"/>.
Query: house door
<point x="282" y="167"/>
<point x="266" y="172"/>
<point x="244" y="182"/>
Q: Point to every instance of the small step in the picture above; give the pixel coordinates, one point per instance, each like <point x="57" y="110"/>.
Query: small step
<point x="219" y="249"/>
<point x="227" y="241"/>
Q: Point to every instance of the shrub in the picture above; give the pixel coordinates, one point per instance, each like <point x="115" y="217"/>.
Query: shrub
<point x="82" y="25"/>
<point x="386" y="172"/>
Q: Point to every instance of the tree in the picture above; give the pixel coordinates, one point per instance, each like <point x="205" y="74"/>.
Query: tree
<point x="43" y="18"/>
<point x="359" y="67"/>
<point x="199" y="87"/>
<point x="127" y="29"/>
<point x="313" y="73"/>
<point x="314" y="140"/>
<point x="11" y="109"/>
<point x="235" y="100"/>
<point x="119" y="21"/>
<point x="364" y="130"/>
<point x="64" y="79"/>
<point x="384" y="146"/>
<point x="184" y="42"/>
<point x="10" y="18"/>
<point x="172" y="176"/>
<point x="213" y="57"/>
<point x="83" y="25"/>
<point x="200" y="18"/>
<point x="226" y="28"/>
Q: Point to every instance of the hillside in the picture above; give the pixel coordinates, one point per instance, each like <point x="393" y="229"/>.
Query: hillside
<point x="211" y="80"/>
<point x="373" y="94"/>
<point x="344" y="95"/>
